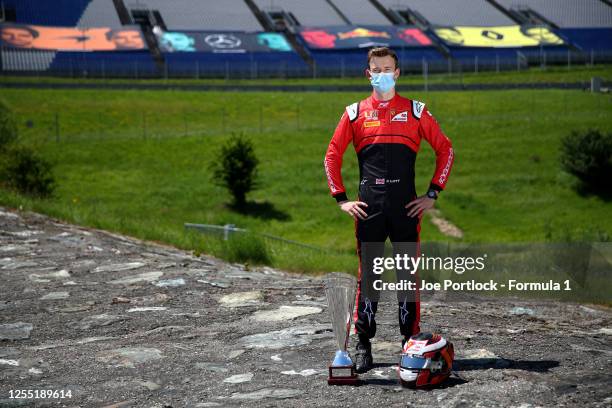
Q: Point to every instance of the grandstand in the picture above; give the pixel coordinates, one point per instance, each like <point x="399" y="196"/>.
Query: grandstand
<point x="291" y="38"/>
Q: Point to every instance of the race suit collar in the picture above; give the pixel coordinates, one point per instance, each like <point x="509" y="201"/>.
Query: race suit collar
<point x="375" y="102"/>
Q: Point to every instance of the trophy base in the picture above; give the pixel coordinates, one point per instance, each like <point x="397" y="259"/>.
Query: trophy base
<point x="342" y="375"/>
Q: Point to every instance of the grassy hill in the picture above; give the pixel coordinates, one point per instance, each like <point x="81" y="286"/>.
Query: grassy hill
<point x="137" y="162"/>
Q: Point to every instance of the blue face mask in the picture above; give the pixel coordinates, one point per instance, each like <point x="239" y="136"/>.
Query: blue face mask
<point x="382" y="82"/>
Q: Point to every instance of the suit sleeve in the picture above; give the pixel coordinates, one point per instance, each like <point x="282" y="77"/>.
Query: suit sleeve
<point x="442" y="146"/>
<point x="343" y="135"/>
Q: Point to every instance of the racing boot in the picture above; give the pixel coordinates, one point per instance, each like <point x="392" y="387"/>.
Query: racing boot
<point x="363" y="356"/>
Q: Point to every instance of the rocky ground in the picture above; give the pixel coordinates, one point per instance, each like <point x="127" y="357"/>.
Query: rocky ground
<point x="124" y="323"/>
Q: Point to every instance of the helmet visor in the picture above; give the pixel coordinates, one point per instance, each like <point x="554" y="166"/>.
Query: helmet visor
<point x="413" y="362"/>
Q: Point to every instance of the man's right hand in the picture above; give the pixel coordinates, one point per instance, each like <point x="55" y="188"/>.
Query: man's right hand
<point x="353" y="208"/>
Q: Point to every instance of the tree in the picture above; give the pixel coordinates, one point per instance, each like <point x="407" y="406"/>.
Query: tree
<point x="588" y="156"/>
<point x="236" y="168"/>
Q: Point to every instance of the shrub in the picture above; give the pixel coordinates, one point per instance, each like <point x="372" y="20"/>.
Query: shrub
<point x="25" y="171"/>
<point x="588" y="156"/>
<point x="236" y="168"/>
<point x="8" y="129"/>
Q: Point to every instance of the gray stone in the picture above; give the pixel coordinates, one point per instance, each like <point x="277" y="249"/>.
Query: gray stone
<point x="14" y="248"/>
<point x="304" y="373"/>
<point x="119" y="267"/>
<point x="48" y="277"/>
<point x="216" y="283"/>
<point x="387" y="347"/>
<point x="170" y="283"/>
<point x="235" y="353"/>
<point x="276" y="393"/>
<point x="147" y="309"/>
<point x="97" y="321"/>
<point x="150" y="385"/>
<point x="520" y="311"/>
<point x="239" y="378"/>
<point x="290" y="337"/>
<point x="15" y="331"/>
<point x="285" y="313"/>
<point x="14" y="363"/>
<point x="476" y="354"/>
<point x="19" y="264"/>
<point x="25" y="233"/>
<point x="7" y="214"/>
<point x="605" y="330"/>
<point x="214" y="367"/>
<point x="141" y="277"/>
<point x="55" y="296"/>
<point x="242" y="299"/>
<point x="35" y="371"/>
<point x="72" y="308"/>
<point x="128" y="356"/>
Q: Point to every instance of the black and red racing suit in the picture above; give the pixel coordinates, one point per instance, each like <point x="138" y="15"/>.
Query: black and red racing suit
<point x="386" y="136"/>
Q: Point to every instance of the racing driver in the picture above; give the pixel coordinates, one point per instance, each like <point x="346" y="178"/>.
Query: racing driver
<point x="386" y="131"/>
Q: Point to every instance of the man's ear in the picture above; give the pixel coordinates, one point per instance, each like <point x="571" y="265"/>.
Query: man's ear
<point x="367" y="73"/>
<point x="397" y="73"/>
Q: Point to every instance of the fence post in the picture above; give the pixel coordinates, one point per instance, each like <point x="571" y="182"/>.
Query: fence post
<point x="592" y="57"/>
<point x="227" y="73"/>
<point x="569" y="59"/>
<point x="198" y="69"/>
<point x="476" y="64"/>
<point x="450" y="66"/>
<point x="314" y="69"/>
<point x="497" y="63"/>
<point x="227" y="228"/>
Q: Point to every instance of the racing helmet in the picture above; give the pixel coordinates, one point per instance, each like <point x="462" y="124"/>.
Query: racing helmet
<point x="427" y="360"/>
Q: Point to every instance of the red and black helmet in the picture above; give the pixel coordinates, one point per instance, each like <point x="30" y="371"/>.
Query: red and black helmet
<point x="427" y="360"/>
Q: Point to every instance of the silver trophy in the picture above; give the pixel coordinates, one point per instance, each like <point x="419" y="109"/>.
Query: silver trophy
<point x="340" y="291"/>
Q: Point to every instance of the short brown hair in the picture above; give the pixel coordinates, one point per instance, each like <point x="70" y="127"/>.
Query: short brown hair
<point x="382" y="52"/>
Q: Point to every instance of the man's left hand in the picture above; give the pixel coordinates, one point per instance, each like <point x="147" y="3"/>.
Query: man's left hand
<point x="418" y="205"/>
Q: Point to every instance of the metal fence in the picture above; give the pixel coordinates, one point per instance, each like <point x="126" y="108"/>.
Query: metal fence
<point x="41" y="63"/>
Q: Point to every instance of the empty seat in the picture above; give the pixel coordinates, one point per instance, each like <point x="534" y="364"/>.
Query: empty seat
<point x="226" y="15"/>
<point x="361" y="12"/>
<point x="308" y="13"/>
<point x="100" y="13"/>
<point x="567" y="13"/>
<point x="454" y="12"/>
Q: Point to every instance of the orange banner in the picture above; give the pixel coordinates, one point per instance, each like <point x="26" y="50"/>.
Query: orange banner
<point x="71" y="38"/>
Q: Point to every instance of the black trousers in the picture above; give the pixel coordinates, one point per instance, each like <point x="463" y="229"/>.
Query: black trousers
<point x="371" y="234"/>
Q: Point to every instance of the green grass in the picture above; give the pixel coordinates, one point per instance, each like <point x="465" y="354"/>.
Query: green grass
<point x="554" y="74"/>
<point x="116" y="173"/>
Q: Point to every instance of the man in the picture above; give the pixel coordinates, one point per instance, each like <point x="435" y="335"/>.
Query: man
<point x="126" y="39"/>
<point x="18" y="36"/>
<point x="386" y="130"/>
